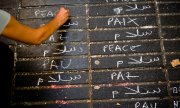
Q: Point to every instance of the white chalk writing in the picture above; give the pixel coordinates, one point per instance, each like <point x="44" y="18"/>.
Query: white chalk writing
<point x="141" y="61"/>
<point x="138" y="61"/>
<point x="59" y="79"/>
<point x="76" y="23"/>
<point x="176" y="104"/>
<point x="135" y="34"/>
<point x="117" y="48"/>
<point x="120" y="1"/>
<point x="45" y="63"/>
<point x="62" y="64"/>
<point x="176" y="90"/>
<point x="138" y="34"/>
<point x="122" y="21"/>
<point x="138" y="91"/>
<point x="119" y="10"/>
<point x="40" y="80"/>
<point x="131" y="8"/>
<point x="59" y="36"/>
<point x="44" y="13"/>
<point x="66" y="50"/>
<point x="51" y="38"/>
<point x="145" y="105"/>
<point x="45" y="52"/>
<point x="120" y="75"/>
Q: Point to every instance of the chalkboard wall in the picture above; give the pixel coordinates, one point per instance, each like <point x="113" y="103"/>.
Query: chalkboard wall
<point x="110" y="54"/>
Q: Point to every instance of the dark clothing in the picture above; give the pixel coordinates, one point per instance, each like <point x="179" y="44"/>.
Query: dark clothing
<point x="6" y="75"/>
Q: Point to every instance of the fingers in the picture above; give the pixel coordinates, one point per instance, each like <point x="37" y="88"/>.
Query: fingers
<point x="63" y="15"/>
<point x="64" y="11"/>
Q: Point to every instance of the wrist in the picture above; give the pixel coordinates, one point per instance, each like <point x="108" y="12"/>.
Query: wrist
<point x="57" y="21"/>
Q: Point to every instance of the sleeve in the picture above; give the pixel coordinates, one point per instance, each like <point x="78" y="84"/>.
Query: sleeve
<point x="4" y="19"/>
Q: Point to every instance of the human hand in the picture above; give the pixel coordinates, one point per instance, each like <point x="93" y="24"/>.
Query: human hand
<point x="62" y="15"/>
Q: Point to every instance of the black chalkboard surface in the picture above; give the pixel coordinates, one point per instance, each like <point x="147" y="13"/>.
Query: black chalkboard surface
<point x="110" y="54"/>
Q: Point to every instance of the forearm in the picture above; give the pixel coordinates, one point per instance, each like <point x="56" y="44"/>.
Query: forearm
<point x="47" y="30"/>
<point x="20" y="32"/>
<point x="23" y="33"/>
<point x="27" y="34"/>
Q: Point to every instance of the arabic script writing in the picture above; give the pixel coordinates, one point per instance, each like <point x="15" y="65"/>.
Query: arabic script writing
<point x="136" y="91"/>
<point x="59" y="79"/>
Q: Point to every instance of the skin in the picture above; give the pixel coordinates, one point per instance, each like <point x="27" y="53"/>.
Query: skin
<point x="17" y="31"/>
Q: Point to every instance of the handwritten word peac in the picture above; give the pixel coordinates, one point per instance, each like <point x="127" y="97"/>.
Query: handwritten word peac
<point x="176" y="90"/>
<point x="59" y="79"/>
<point x="44" y="13"/>
<point x="66" y="50"/>
<point x="145" y="105"/>
<point x="138" y="61"/>
<point x="120" y="75"/>
<point x="117" y="48"/>
<point x="120" y="1"/>
<point x="62" y="64"/>
<point x="176" y="104"/>
<point x="119" y="10"/>
<point x="122" y="21"/>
